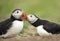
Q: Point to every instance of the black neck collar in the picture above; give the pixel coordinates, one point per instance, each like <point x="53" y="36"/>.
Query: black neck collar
<point x="37" y="23"/>
<point x="15" y="18"/>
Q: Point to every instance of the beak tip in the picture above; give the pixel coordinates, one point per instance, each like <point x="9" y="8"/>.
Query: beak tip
<point x="25" y="16"/>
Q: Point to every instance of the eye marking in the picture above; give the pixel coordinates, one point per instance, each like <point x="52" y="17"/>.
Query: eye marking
<point x="30" y="16"/>
<point x="17" y="11"/>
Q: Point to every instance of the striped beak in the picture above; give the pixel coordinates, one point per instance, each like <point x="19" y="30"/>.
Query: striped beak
<point x="24" y="16"/>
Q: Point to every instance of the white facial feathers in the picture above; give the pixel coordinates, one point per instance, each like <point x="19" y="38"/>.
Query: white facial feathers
<point x="32" y="18"/>
<point x="17" y="13"/>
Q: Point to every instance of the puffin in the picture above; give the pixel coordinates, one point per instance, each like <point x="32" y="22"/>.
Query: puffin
<point x="43" y="27"/>
<point x="13" y="25"/>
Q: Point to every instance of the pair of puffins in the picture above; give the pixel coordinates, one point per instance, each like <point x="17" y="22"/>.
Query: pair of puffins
<point x="14" y="25"/>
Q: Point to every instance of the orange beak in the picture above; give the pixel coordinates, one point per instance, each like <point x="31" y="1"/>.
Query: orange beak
<point x="25" y="16"/>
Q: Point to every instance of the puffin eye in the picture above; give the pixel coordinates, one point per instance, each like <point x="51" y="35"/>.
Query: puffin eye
<point x="17" y="11"/>
<point x="30" y="16"/>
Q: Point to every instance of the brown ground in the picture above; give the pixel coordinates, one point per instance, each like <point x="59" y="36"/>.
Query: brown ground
<point x="30" y="35"/>
<point x="35" y="38"/>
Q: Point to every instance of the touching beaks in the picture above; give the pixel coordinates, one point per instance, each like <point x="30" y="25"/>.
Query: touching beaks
<point x="25" y="16"/>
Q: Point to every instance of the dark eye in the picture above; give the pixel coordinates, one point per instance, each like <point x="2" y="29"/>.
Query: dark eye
<point x="17" y="11"/>
<point x="30" y="16"/>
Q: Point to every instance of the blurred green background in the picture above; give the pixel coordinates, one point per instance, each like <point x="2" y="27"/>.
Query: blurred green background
<point x="44" y="9"/>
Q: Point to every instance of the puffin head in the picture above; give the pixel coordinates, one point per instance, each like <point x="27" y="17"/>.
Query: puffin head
<point x="32" y="18"/>
<point x="19" y="14"/>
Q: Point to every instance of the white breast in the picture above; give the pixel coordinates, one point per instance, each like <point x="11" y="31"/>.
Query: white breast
<point x="15" y="29"/>
<point x="42" y="32"/>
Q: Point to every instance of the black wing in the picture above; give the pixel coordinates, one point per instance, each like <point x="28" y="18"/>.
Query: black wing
<point x="5" y="25"/>
<point x="52" y="27"/>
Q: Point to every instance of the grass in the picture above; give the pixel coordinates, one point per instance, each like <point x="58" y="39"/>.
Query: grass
<point x="44" y="9"/>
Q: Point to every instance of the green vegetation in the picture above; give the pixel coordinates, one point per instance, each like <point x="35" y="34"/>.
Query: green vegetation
<point x="45" y="9"/>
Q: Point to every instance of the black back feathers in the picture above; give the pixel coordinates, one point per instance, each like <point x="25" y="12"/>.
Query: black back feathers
<point x="5" y="25"/>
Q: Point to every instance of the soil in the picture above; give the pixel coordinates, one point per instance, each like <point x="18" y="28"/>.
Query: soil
<point x="34" y="38"/>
